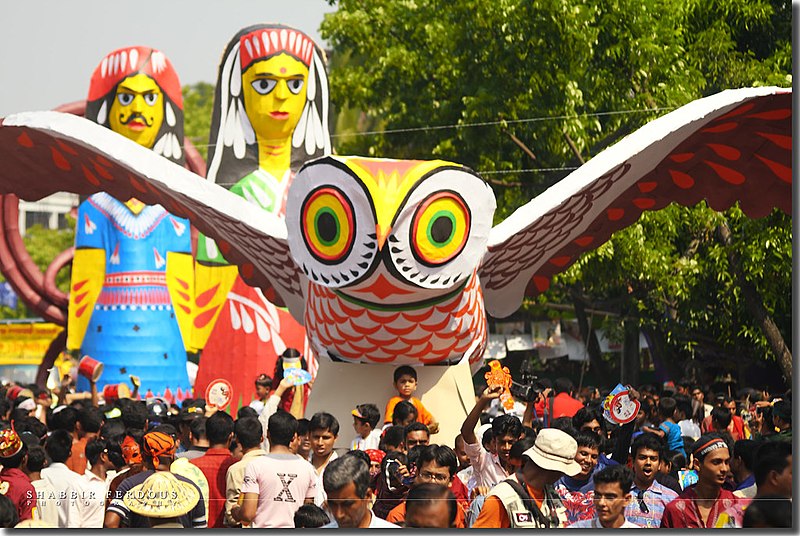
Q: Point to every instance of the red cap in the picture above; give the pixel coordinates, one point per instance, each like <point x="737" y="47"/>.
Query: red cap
<point x="375" y="455"/>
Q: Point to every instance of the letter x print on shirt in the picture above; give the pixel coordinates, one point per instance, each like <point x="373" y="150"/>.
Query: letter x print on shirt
<point x="286" y="479"/>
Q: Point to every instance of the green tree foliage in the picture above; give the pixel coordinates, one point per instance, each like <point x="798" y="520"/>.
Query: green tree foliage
<point x="43" y="246"/>
<point x="514" y="85"/>
<point x="198" y="103"/>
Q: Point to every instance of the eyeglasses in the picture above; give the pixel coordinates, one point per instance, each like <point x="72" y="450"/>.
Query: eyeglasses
<point x="642" y="505"/>
<point x="425" y="475"/>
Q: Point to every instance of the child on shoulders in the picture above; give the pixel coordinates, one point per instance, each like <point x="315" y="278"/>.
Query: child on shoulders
<point x="405" y="381"/>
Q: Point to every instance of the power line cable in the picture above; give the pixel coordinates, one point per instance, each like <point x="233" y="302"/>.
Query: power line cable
<point x="489" y="123"/>
<point x="492" y="123"/>
<point x="527" y="170"/>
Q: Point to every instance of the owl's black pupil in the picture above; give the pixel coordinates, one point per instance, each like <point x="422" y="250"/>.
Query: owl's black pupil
<point x="441" y="229"/>
<point x="326" y="227"/>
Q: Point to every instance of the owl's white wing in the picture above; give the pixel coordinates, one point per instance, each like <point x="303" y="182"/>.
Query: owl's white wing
<point x="42" y="153"/>
<point x="729" y="147"/>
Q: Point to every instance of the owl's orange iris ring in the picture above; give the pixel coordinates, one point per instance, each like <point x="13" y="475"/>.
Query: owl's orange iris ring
<point x="328" y="225"/>
<point x="440" y="228"/>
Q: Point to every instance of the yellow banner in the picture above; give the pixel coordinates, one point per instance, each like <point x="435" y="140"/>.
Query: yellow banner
<point x="26" y="344"/>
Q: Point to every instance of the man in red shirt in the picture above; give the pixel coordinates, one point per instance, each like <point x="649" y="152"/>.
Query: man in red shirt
<point x="215" y="463"/>
<point x="705" y="505"/>
<point x="724" y="418"/>
<point x="562" y="405"/>
<point x="15" y="484"/>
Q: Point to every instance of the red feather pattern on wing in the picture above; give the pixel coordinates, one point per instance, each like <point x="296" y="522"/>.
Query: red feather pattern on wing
<point x="708" y="165"/>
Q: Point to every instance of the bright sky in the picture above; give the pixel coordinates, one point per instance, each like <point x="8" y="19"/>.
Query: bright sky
<point x="49" y="48"/>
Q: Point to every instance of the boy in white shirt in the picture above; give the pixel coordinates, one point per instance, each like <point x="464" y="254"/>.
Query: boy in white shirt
<point x="365" y="420"/>
<point x="95" y="486"/>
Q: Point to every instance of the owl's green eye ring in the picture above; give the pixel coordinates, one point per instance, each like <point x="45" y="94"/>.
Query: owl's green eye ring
<point x="440" y="228"/>
<point x="328" y="225"/>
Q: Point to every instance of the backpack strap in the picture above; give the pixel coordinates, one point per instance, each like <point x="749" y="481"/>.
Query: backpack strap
<point x="527" y="500"/>
<point x="554" y="501"/>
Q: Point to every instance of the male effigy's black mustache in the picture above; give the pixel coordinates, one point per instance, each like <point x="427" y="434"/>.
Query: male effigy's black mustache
<point x="136" y="115"/>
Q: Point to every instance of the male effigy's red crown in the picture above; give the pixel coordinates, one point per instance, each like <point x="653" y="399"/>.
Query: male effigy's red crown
<point x="124" y="62"/>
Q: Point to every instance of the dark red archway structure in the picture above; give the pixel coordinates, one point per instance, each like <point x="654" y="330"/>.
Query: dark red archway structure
<point x="36" y="289"/>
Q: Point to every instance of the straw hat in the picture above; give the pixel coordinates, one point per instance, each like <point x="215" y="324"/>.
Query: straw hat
<point x="162" y="495"/>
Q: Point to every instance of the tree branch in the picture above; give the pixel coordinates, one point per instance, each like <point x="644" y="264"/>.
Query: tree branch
<point x="574" y="148"/>
<point x="504" y="184"/>
<point x="755" y="305"/>
<point x="521" y="145"/>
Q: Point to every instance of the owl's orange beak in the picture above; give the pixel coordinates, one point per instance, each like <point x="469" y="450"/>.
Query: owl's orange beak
<point x="382" y="232"/>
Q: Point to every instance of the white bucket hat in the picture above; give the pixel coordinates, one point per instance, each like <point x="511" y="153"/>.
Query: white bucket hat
<point x="555" y="450"/>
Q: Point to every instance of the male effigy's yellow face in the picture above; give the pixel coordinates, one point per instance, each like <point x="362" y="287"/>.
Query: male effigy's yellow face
<point x="138" y="110"/>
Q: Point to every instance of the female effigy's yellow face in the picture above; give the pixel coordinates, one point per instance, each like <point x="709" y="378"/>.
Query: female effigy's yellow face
<point x="274" y="95"/>
<point x="138" y="110"/>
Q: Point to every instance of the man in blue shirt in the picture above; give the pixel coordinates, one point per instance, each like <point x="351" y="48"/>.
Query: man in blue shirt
<point x="668" y="429"/>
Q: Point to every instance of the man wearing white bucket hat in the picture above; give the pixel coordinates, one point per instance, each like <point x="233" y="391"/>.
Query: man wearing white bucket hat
<point x="527" y="498"/>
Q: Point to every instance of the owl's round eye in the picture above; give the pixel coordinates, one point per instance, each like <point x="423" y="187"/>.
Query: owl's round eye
<point x="440" y="228"/>
<point x="328" y="224"/>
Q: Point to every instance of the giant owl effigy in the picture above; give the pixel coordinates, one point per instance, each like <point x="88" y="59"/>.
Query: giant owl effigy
<point x="397" y="261"/>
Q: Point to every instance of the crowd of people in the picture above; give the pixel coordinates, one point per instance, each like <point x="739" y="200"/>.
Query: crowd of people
<point x="691" y="458"/>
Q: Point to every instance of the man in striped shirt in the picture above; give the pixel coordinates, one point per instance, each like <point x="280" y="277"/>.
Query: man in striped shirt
<point x="649" y="498"/>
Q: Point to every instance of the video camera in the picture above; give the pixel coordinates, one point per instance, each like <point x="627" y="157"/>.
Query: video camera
<point x="528" y="388"/>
